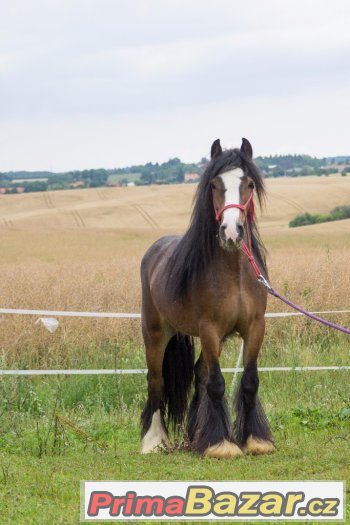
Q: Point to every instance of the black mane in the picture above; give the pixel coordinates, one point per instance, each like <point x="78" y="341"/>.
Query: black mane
<point x="195" y="251"/>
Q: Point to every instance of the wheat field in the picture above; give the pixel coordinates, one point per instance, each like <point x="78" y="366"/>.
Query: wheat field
<point x="81" y="250"/>
<point x="162" y="207"/>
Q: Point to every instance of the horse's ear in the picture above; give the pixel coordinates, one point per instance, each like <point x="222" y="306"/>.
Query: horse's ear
<point x="246" y="148"/>
<point x="216" y="149"/>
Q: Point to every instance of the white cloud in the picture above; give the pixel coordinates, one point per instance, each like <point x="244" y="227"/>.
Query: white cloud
<point x="170" y="74"/>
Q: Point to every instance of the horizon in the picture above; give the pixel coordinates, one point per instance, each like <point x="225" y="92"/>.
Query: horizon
<point x="165" y="161"/>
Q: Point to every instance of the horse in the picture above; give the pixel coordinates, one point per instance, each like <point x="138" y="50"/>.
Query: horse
<point x="202" y="285"/>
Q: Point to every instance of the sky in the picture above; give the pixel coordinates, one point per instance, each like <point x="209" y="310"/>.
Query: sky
<point x="110" y="83"/>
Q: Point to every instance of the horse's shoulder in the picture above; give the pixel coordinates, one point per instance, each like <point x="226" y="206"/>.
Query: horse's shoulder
<point x="158" y="249"/>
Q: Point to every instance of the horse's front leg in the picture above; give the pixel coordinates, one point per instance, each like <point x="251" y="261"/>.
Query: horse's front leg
<point x="251" y="428"/>
<point x="154" y="434"/>
<point x="209" y="430"/>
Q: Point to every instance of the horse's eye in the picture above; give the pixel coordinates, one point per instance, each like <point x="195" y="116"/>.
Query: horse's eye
<point x="251" y="185"/>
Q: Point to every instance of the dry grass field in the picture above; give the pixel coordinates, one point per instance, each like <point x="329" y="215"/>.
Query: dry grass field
<point x="81" y="249"/>
<point x="161" y="207"/>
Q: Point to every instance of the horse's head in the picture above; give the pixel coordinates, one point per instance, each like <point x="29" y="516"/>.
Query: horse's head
<point x="233" y="183"/>
<point x="231" y="178"/>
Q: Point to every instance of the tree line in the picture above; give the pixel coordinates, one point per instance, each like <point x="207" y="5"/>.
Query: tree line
<point x="169" y="172"/>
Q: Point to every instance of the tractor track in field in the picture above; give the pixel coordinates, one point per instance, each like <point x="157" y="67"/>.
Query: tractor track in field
<point x="79" y="221"/>
<point x="293" y="203"/>
<point x="48" y="200"/>
<point x="101" y="195"/>
<point x="7" y="223"/>
<point x="148" y="218"/>
<point x="77" y="218"/>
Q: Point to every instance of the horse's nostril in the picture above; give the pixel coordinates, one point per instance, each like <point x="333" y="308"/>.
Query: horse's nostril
<point x="222" y="229"/>
<point x="240" y="230"/>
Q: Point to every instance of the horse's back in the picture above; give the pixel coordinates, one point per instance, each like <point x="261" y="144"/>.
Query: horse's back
<point x="157" y="254"/>
<point x="154" y="267"/>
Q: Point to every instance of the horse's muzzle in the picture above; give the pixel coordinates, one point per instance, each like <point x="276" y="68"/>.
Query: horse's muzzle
<point x="229" y="242"/>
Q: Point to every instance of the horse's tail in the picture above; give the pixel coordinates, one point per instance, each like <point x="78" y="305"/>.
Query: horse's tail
<point x="178" y="370"/>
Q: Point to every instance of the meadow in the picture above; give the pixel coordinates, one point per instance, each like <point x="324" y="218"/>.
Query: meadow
<point x="81" y="250"/>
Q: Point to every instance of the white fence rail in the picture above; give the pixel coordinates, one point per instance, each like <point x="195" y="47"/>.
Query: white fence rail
<point x="113" y="315"/>
<point x="134" y="371"/>
<point x="137" y="371"/>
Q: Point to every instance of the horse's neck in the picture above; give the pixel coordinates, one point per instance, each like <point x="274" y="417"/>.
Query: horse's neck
<point x="230" y="260"/>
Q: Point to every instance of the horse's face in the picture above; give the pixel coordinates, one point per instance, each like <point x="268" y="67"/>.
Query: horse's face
<point x="231" y="187"/>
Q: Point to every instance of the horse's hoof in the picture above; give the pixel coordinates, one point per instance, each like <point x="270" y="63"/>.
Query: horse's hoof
<point x="148" y="447"/>
<point x="257" y="446"/>
<point x="156" y="438"/>
<point x="223" y="450"/>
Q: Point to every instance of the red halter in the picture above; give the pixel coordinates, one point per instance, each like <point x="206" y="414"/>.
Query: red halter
<point x="242" y="207"/>
<point x="245" y="247"/>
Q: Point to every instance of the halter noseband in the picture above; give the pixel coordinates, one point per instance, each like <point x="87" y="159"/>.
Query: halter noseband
<point x="245" y="247"/>
<point x="249" y="205"/>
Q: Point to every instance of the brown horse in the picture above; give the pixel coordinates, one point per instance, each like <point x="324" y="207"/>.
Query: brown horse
<point x="202" y="285"/>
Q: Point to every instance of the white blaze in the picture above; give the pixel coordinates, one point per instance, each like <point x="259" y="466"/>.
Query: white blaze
<point x="230" y="217"/>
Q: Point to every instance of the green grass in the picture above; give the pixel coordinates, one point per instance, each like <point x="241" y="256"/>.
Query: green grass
<point x="55" y="432"/>
<point x="47" y="487"/>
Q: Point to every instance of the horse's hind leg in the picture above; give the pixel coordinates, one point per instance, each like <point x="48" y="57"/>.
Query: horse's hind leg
<point x="251" y="429"/>
<point x="209" y="427"/>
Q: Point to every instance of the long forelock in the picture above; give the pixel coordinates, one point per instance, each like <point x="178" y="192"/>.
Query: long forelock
<point x="227" y="161"/>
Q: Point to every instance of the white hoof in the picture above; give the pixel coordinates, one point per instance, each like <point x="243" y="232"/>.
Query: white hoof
<point x="155" y="439"/>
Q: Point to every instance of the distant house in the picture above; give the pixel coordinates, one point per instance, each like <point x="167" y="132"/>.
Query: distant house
<point x="191" y="177"/>
<point x="76" y="184"/>
<point x="130" y="184"/>
<point x="2" y="191"/>
<point x="339" y="167"/>
<point x="20" y="189"/>
<point x="37" y="179"/>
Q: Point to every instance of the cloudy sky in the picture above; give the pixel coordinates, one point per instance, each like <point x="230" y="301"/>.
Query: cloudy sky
<point x="105" y="83"/>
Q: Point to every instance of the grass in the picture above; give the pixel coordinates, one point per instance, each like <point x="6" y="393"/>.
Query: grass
<point x="81" y="250"/>
<point x="61" y="431"/>
<point x="57" y="431"/>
